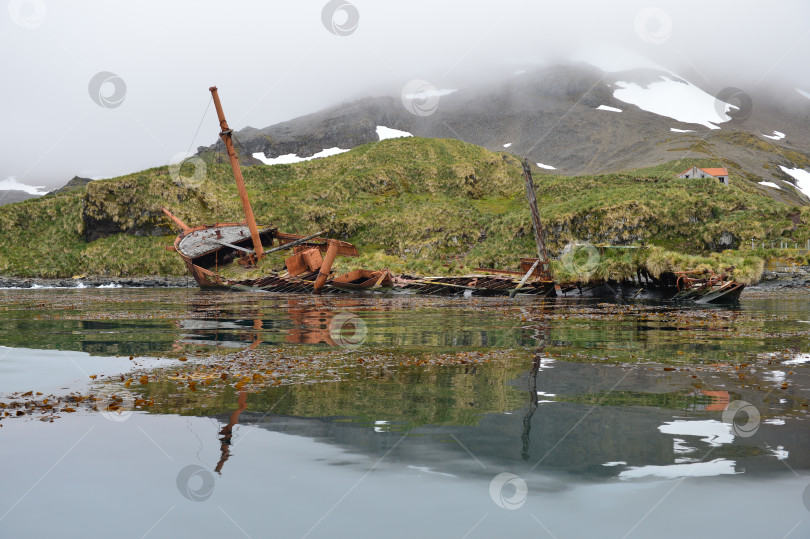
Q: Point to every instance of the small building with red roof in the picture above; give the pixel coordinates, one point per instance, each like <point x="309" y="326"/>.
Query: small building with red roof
<point x="720" y="174"/>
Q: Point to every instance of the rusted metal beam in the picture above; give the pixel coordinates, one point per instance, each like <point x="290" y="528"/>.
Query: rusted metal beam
<point x="326" y="267"/>
<point x="344" y="248"/>
<point x="293" y="243"/>
<point x="177" y="221"/>
<point x="226" y="135"/>
<point x="500" y="271"/>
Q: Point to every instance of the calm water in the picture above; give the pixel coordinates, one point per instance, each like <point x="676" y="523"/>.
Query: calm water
<point x="179" y="413"/>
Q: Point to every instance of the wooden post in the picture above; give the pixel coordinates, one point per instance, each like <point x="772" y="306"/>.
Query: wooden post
<point x="326" y="267"/>
<point x="524" y="279"/>
<point x="537" y="226"/>
<point x="225" y="135"/>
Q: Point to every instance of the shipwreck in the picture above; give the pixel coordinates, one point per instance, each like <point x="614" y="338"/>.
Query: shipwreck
<point x="211" y="251"/>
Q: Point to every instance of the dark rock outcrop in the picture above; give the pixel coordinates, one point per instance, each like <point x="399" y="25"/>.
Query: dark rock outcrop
<point x="112" y="208"/>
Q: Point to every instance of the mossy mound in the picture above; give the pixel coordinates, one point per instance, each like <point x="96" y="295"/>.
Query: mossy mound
<point x="413" y="205"/>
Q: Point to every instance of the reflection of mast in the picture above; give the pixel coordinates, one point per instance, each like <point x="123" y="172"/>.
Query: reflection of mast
<point x="527" y="419"/>
<point x="257" y="325"/>
<point x="227" y="431"/>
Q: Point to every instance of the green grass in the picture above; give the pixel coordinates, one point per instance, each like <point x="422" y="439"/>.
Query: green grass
<point x="413" y="205"/>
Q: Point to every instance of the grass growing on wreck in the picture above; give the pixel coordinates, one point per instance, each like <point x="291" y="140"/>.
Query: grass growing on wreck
<point x="621" y="264"/>
<point x="419" y="206"/>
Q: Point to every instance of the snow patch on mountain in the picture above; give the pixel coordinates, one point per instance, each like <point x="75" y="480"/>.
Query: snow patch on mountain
<point x="605" y="107"/>
<point x="770" y="184"/>
<point x="293" y="158"/>
<point x="507" y="144"/>
<point x="430" y="92"/>
<point x="676" y="130"/>
<point x="11" y="184"/>
<point x="777" y="135"/>
<point x="676" y="99"/>
<point x="801" y="176"/>
<point x="386" y="133"/>
<point x="547" y="167"/>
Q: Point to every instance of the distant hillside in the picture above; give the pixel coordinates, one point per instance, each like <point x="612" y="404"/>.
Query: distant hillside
<point x="411" y="204"/>
<point x="552" y="116"/>
<point x="12" y="196"/>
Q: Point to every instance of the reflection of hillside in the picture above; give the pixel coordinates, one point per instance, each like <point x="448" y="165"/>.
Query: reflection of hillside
<point x="446" y="415"/>
<point x="307" y="321"/>
<point x="95" y="337"/>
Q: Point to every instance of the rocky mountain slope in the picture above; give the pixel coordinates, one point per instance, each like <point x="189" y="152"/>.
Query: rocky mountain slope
<point x="553" y="116"/>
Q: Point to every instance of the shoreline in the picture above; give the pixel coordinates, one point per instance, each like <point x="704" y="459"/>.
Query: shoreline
<point x="150" y="281"/>
<point x="779" y="287"/>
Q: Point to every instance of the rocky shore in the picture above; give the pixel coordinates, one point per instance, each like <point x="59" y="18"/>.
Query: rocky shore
<point x="96" y="282"/>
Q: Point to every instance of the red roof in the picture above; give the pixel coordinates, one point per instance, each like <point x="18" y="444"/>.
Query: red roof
<point x="712" y="171"/>
<point x="715" y="171"/>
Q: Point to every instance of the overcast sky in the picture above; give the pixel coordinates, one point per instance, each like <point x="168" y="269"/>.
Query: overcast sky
<point x="274" y="61"/>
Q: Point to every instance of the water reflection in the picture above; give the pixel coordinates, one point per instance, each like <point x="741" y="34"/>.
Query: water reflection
<point x="600" y="390"/>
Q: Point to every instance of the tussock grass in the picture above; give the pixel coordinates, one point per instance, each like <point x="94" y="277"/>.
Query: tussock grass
<point x="419" y="206"/>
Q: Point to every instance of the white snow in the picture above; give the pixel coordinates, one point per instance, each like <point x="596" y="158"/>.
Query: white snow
<point x="293" y="158"/>
<point x="544" y="394"/>
<point x="777" y="135"/>
<point x="546" y="363"/>
<point x="386" y="133"/>
<point x="547" y="167"/>
<point x="676" y="130"/>
<point x="775" y="421"/>
<point x="797" y="360"/>
<point x="801" y="176"/>
<point x="615" y="463"/>
<point x="770" y="184"/>
<point x="435" y="92"/>
<point x="680" y="447"/>
<point x="714" y="432"/>
<point x="425" y="469"/>
<point x="507" y="144"/>
<point x="775" y="376"/>
<point x="805" y="94"/>
<point x="11" y="184"/>
<point x="676" y="99"/>
<point x="673" y="471"/>
<point x="605" y="107"/>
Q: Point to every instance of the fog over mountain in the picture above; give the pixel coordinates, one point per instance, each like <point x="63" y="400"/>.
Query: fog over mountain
<point x="99" y="89"/>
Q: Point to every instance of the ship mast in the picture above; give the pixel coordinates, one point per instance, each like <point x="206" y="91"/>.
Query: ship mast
<point x="226" y="135"/>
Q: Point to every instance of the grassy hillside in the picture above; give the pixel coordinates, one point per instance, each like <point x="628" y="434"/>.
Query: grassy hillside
<point x="414" y="205"/>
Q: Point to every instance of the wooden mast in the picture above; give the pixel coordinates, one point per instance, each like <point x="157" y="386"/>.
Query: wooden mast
<point x="537" y="226"/>
<point x="225" y="135"/>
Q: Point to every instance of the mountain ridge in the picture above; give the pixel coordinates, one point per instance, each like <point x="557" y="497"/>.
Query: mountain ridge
<point x="551" y="116"/>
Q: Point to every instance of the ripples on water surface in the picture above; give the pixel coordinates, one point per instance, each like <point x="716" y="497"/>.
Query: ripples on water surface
<point x="174" y="413"/>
